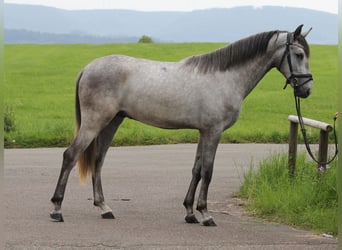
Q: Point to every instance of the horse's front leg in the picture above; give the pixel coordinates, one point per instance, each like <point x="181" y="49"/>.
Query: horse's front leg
<point x="209" y="147"/>
<point x="196" y="177"/>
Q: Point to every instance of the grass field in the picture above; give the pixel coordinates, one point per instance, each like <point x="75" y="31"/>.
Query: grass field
<point x="40" y="85"/>
<point x="308" y="200"/>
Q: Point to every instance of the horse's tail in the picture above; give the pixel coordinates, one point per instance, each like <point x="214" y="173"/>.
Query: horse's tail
<point x="86" y="161"/>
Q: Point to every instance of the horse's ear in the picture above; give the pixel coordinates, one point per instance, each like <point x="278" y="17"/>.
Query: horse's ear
<point x="298" y="31"/>
<point x="306" y="33"/>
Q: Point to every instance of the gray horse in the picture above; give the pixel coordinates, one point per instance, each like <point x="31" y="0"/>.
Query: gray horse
<point x="203" y="92"/>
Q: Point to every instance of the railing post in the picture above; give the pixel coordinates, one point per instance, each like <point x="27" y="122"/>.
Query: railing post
<point x="293" y="148"/>
<point x="324" y="128"/>
<point x="323" y="148"/>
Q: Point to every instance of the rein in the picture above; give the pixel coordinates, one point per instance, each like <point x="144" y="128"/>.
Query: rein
<point x="302" y="128"/>
<point x="293" y="81"/>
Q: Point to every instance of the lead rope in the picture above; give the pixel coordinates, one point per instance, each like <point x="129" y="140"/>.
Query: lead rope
<point x="300" y="119"/>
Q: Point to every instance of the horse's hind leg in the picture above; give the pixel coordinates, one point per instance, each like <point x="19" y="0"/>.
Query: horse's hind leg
<point x="70" y="157"/>
<point x="103" y="143"/>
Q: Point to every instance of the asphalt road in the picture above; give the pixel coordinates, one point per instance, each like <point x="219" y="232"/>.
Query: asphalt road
<point x="145" y="186"/>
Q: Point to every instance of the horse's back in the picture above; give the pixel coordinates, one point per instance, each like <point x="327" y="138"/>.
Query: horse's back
<point x="120" y="68"/>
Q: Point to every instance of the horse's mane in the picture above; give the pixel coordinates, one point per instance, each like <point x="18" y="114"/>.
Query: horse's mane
<point x="235" y="53"/>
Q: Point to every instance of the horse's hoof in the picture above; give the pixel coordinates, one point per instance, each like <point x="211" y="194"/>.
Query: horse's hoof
<point x="191" y="219"/>
<point x="107" y="215"/>
<point x="56" y="217"/>
<point x="209" y="223"/>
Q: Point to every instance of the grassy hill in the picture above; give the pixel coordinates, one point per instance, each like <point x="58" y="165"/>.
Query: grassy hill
<point x="40" y="86"/>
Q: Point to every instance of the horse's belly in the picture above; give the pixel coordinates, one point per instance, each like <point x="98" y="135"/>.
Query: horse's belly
<point x="163" y="117"/>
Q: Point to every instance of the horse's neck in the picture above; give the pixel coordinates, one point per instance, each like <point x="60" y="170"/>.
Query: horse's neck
<point x="252" y="72"/>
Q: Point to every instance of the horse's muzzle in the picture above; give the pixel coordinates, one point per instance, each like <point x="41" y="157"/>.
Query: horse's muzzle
<point x="303" y="90"/>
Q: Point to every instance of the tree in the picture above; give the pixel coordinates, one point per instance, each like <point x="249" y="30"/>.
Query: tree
<point x="145" y="39"/>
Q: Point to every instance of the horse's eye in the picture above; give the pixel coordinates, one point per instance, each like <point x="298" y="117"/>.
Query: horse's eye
<point x="300" y="56"/>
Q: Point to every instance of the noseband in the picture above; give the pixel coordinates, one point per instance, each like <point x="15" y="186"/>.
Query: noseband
<point x="293" y="78"/>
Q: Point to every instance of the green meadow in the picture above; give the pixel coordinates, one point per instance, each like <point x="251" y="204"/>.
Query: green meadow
<point x="307" y="200"/>
<point x="40" y="86"/>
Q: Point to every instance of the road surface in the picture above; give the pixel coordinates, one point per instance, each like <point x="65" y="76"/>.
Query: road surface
<point x="145" y="186"/>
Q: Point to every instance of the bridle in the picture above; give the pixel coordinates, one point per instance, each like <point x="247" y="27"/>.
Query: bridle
<point x="293" y="78"/>
<point x="293" y="81"/>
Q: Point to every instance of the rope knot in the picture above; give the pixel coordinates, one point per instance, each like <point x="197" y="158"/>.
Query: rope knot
<point x="336" y="116"/>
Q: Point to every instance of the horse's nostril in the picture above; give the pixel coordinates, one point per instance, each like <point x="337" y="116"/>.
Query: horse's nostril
<point x="308" y="92"/>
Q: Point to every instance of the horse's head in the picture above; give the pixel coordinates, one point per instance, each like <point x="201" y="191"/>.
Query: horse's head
<point x="293" y="62"/>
